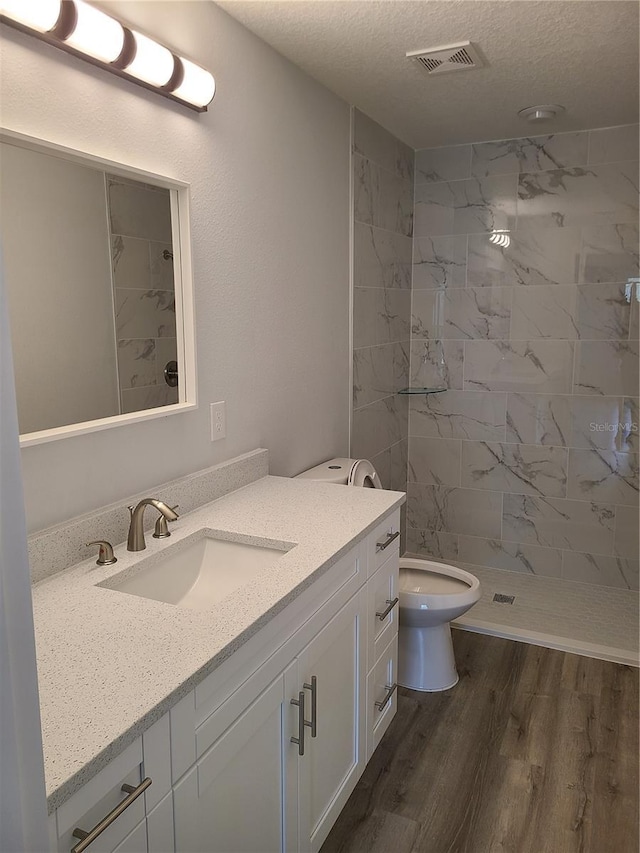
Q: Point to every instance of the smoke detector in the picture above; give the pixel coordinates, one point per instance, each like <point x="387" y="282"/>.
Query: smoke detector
<point x="542" y="112"/>
<point x="452" y="57"/>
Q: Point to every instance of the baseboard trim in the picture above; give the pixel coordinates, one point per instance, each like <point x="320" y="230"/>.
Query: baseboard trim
<point x="550" y="641"/>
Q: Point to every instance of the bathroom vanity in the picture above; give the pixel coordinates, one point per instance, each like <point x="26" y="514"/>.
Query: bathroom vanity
<point x="253" y="719"/>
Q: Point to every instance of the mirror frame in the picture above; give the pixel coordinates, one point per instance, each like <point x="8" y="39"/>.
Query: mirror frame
<point x="183" y="282"/>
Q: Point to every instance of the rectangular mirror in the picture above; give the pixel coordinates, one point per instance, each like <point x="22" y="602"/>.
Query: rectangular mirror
<point x="97" y="267"/>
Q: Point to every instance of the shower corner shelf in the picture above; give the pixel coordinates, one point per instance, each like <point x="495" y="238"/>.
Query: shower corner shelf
<point x="414" y="390"/>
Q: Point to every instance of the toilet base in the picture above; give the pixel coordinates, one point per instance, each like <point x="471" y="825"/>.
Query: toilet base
<point x="425" y="658"/>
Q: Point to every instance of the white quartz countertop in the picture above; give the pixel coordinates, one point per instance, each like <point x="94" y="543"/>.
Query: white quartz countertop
<point x="110" y="664"/>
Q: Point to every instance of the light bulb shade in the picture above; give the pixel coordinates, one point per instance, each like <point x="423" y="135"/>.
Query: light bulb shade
<point x="197" y="87"/>
<point x="152" y="62"/>
<point x="40" y="15"/>
<point x="96" y="34"/>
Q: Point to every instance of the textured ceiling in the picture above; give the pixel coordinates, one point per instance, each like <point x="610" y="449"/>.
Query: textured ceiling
<point x="582" y="54"/>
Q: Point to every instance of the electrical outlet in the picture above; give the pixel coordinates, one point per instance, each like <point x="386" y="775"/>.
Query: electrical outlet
<point x="218" y="421"/>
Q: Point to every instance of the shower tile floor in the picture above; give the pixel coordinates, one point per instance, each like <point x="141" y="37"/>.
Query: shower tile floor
<point x="597" y="621"/>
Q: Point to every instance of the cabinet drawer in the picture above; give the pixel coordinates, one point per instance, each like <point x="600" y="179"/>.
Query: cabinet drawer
<point x="380" y="681"/>
<point x="382" y="591"/>
<point x="381" y="542"/>
<point x="97" y="798"/>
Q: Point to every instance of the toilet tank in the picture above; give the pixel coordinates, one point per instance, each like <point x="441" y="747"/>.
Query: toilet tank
<point x="331" y="471"/>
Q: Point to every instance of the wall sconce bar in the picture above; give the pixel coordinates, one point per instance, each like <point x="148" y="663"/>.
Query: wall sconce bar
<point x="90" y="34"/>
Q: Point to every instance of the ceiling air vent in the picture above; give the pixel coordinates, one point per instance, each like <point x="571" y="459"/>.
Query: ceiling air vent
<point x="452" y="57"/>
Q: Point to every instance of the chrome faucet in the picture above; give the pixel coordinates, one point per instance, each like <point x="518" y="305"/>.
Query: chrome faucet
<point x="135" y="540"/>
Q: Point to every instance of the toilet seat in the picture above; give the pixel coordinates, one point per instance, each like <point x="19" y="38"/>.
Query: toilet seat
<point x="364" y="474"/>
<point x="425" y="585"/>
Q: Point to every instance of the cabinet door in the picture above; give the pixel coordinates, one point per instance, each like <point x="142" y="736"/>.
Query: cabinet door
<point x="233" y="799"/>
<point x="335" y="758"/>
<point x="160" y="837"/>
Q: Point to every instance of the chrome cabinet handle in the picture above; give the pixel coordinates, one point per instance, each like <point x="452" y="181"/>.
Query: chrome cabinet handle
<point x="313" y="687"/>
<point x="390" y="691"/>
<point x="382" y="616"/>
<point x="391" y="537"/>
<point x="87" y="838"/>
<point x="301" y="722"/>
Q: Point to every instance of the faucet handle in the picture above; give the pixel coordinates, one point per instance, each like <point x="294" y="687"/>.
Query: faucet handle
<point x="161" y="530"/>
<point x="105" y="552"/>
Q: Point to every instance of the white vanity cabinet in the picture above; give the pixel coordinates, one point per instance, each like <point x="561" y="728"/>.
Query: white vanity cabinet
<point x="263" y="754"/>
<point x="249" y="788"/>
<point x="255" y="789"/>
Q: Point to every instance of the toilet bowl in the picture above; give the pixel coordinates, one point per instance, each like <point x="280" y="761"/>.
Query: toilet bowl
<point x="431" y="595"/>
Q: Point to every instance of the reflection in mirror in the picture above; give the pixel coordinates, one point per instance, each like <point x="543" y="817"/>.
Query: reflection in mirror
<point x="89" y="266"/>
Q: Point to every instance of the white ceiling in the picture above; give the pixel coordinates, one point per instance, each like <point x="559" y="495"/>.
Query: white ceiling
<point x="582" y="54"/>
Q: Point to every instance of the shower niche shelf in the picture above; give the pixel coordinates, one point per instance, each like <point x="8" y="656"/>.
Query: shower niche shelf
<point x="416" y="390"/>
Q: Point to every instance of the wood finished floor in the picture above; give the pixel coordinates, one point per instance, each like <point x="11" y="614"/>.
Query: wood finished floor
<point x="533" y="751"/>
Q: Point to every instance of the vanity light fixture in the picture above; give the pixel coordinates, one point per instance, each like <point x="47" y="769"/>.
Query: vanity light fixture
<point x="85" y="31"/>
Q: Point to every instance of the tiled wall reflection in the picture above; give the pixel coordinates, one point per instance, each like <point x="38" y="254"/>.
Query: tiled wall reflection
<point x="141" y="256"/>
<point x="383" y="227"/>
<point x="523" y="251"/>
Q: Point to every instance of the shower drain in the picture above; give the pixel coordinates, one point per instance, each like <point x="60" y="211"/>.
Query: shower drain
<point x="501" y="598"/>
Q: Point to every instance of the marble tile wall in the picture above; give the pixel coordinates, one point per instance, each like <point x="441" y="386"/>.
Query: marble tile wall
<point x="383" y="228"/>
<point x="144" y="296"/>
<point x="528" y="462"/>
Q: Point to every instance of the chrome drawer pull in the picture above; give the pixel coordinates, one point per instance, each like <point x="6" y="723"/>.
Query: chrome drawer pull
<point x="382" y="616"/>
<point x="391" y="537"/>
<point x="301" y="722"/>
<point x="313" y="687"/>
<point x="390" y="691"/>
<point x="87" y="838"/>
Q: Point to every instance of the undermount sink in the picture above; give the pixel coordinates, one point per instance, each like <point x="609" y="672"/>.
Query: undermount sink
<point x="199" y="575"/>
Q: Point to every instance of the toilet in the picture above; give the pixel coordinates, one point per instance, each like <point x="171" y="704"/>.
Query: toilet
<point x="431" y="595"/>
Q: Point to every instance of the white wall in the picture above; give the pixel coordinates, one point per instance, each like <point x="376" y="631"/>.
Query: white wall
<point x="57" y="267"/>
<point x="23" y="803"/>
<point x="269" y="169"/>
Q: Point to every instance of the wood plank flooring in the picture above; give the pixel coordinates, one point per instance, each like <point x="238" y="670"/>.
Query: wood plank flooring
<point x="533" y="751"/>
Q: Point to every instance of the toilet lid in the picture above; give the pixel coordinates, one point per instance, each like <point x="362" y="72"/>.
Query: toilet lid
<point x="364" y="474"/>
